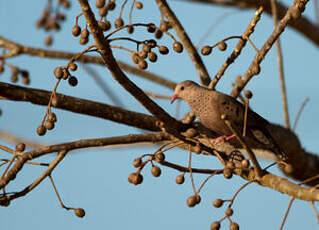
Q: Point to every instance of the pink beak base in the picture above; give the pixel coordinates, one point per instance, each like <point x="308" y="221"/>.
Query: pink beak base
<point x="174" y="98"/>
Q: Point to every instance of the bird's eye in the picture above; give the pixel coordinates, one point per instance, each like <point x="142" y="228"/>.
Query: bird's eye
<point x="182" y="88"/>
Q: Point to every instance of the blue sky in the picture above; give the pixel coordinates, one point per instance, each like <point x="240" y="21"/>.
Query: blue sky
<point x="96" y="179"/>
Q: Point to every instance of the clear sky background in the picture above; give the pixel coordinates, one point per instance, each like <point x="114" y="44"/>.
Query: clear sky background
<point x="96" y="179"/>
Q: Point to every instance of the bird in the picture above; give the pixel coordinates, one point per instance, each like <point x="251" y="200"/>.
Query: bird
<point x="209" y="105"/>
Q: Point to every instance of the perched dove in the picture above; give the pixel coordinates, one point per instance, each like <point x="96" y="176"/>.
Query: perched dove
<point x="208" y="105"/>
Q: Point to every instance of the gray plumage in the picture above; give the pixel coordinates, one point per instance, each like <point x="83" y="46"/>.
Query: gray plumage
<point x="209" y="105"/>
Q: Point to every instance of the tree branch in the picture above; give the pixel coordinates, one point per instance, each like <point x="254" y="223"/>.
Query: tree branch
<point x="303" y="25"/>
<point x="81" y="106"/>
<point x="109" y="60"/>
<point x="18" y="49"/>
<point x="127" y="139"/>
<point x="293" y="13"/>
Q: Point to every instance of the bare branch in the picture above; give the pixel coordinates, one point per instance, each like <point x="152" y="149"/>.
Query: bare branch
<point x="293" y="13"/>
<point x="46" y="173"/>
<point x="303" y="25"/>
<point x="81" y="106"/>
<point x="280" y="67"/>
<point x="110" y="62"/>
<point x="18" y="49"/>
<point x="240" y="45"/>
<point x="127" y="139"/>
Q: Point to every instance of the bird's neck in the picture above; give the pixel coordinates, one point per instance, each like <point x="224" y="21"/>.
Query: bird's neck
<point x="199" y="98"/>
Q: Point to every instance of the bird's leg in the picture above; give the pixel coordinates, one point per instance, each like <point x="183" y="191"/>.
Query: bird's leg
<point x="221" y="139"/>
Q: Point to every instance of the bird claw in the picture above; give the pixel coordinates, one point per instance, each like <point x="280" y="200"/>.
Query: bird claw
<point x="221" y="139"/>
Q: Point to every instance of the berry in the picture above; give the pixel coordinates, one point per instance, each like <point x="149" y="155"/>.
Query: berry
<point x="228" y="173"/>
<point x="111" y="5"/>
<point x="58" y="72"/>
<point x="163" y="50"/>
<point x="229" y="212"/>
<point x="234" y="226"/>
<point x="152" y="57"/>
<point x="142" y="64"/>
<point x="76" y="30"/>
<point x="206" y="50"/>
<point x="52" y="117"/>
<point x="137" y="162"/>
<point x="103" y="11"/>
<point x="139" y="5"/>
<point x="49" y="125"/>
<point x="79" y="212"/>
<point x="135" y="178"/>
<point x="218" y="203"/>
<point x="84" y="41"/>
<point x="245" y="163"/>
<point x="215" y="225"/>
<point x="54" y="101"/>
<point x="222" y="46"/>
<point x="20" y="147"/>
<point x="135" y="58"/>
<point x="130" y="29"/>
<point x="159" y="157"/>
<point x="180" y="179"/>
<point x="158" y="34"/>
<point x="85" y="33"/>
<point x="73" y="81"/>
<point x="151" y="28"/>
<point x="152" y="43"/>
<point x="41" y="130"/>
<point x="118" y="22"/>
<point x="48" y="41"/>
<point x="73" y="66"/>
<point x="191" y="201"/>
<point x="156" y="171"/>
<point x="99" y="3"/>
<point x="146" y="48"/>
<point x="178" y="47"/>
<point x="105" y="26"/>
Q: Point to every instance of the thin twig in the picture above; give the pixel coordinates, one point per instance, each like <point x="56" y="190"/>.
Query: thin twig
<point x="315" y="210"/>
<point x="303" y="25"/>
<point x="250" y="154"/>
<point x="194" y="170"/>
<point x="57" y="193"/>
<point x="238" y="191"/>
<point x="240" y="45"/>
<point x="280" y="67"/>
<point x="190" y="170"/>
<point x="299" y="113"/>
<point x="46" y="173"/>
<point x="286" y="214"/>
<point x="293" y="13"/>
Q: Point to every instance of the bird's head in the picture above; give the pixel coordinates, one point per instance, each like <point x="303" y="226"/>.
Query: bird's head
<point x="183" y="90"/>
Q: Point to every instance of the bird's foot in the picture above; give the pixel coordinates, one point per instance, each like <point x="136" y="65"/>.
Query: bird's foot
<point x="221" y="139"/>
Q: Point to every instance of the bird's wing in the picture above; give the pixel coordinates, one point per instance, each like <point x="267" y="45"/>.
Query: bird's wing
<point x="236" y="110"/>
<point x="256" y="125"/>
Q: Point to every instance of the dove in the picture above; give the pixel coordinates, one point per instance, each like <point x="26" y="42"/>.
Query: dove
<point x="208" y="106"/>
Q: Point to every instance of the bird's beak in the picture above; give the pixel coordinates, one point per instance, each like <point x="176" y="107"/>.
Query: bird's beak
<point x="174" y="98"/>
